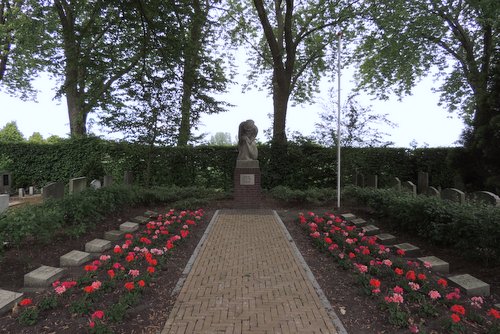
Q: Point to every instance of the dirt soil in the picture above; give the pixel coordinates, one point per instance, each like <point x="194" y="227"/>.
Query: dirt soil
<point x="359" y="313"/>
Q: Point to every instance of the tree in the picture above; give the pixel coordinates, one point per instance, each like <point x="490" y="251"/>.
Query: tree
<point x="296" y="47"/>
<point x="221" y="139"/>
<point x="10" y="134"/>
<point x="36" y="138"/>
<point x="356" y="125"/>
<point x="461" y="39"/>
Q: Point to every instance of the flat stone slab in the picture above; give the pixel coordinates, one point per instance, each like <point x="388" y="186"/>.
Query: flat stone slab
<point x="437" y="264"/>
<point x="97" y="246"/>
<point x="42" y="277"/>
<point x="497" y="306"/>
<point x="8" y="299"/>
<point x="369" y="230"/>
<point x="358" y="222"/>
<point x="129" y="227"/>
<point x="141" y="220"/>
<point x="114" y="235"/>
<point x="75" y="258"/>
<point x="151" y="214"/>
<point x="410" y="250"/>
<point x="471" y="285"/>
<point x="385" y="239"/>
<point x="348" y="216"/>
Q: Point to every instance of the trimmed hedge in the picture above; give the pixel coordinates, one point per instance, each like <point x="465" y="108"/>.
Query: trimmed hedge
<point x="472" y="229"/>
<point x="295" y="166"/>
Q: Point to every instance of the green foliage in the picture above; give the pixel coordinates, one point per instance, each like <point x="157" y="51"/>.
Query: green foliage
<point x="472" y="229"/>
<point x="10" y="134"/>
<point x="48" y="303"/>
<point x="29" y="316"/>
<point x="309" y="196"/>
<point x="221" y="139"/>
<point x="36" y="138"/>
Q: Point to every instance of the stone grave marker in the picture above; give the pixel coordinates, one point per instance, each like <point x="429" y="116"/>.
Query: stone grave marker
<point x="42" y="277"/>
<point x="95" y="184"/>
<point x="436" y="263"/>
<point x="372" y="181"/>
<point x="21" y="192"/>
<point x="471" y="285"/>
<point x="77" y="185"/>
<point x="53" y="190"/>
<point x="422" y="182"/>
<point x="432" y="192"/>
<point x="108" y="181"/>
<point x="8" y="299"/>
<point x="31" y="191"/>
<point x="409" y="187"/>
<point x="454" y="195"/>
<point x="395" y="183"/>
<point x="4" y="202"/>
<point x="485" y="197"/>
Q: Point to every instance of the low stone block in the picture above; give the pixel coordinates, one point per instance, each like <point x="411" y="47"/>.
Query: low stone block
<point x="77" y="185"/>
<point x="114" y="235"/>
<point x="129" y="227"/>
<point x="358" y="222"/>
<point x="385" y="239"/>
<point x="141" y="220"/>
<point x="4" y="202"/>
<point x="348" y="216"/>
<point x="369" y="230"/>
<point x="97" y="246"/>
<point x="151" y="214"/>
<point x="471" y="285"/>
<point x="8" y="299"/>
<point x="437" y="264"/>
<point x="74" y="258"/>
<point x="42" y="277"/>
<point x="410" y="250"/>
<point x="497" y="306"/>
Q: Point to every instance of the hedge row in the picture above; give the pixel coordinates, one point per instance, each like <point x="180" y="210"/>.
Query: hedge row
<point x="471" y="229"/>
<point x="293" y="165"/>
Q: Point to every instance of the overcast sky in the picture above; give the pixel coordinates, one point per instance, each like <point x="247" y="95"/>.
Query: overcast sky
<point x="418" y="117"/>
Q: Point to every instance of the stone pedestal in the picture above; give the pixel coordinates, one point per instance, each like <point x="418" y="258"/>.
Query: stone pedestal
<point x="247" y="177"/>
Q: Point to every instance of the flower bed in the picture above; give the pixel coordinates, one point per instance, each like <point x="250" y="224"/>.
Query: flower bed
<point x="115" y="282"/>
<point x="412" y="296"/>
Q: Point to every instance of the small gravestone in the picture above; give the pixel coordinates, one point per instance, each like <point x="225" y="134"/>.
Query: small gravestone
<point x="21" y="192"/>
<point x="436" y="263"/>
<point x="395" y="183"/>
<point x="360" y="180"/>
<point x="108" y="181"/>
<point x="409" y="249"/>
<point x="151" y="214"/>
<point x="409" y="187"/>
<point x="372" y="181"/>
<point x="77" y="185"/>
<point x="31" y="191"/>
<point x="485" y="197"/>
<point x="114" y="235"/>
<point x="53" y="190"/>
<point x="358" y="222"/>
<point x="42" y="277"/>
<point x="128" y="178"/>
<point x="385" y="238"/>
<point x="471" y="285"/>
<point x="129" y="227"/>
<point x="74" y="258"/>
<point x="8" y="299"/>
<point x="4" y="202"/>
<point x="97" y="246"/>
<point x="95" y="184"/>
<point x="369" y="230"/>
<point x="454" y="195"/>
<point x="141" y="219"/>
<point x="422" y="182"/>
<point x="5" y="182"/>
<point x="432" y="192"/>
<point x="348" y="216"/>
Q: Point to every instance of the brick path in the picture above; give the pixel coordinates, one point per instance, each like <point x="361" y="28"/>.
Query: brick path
<point x="247" y="278"/>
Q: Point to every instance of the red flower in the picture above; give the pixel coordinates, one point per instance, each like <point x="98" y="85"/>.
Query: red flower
<point x="92" y="324"/>
<point x="141" y="283"/>
<point x="170" y="245"/>
<point x="117" y="249"/>
<point x="422" y="277"/>
<point x="184" y="233"/>
<point x="458" y="309"/>
<point x="90" y="267"/>
<point x="151" y="270"/>
<point x="352" y="255"/>
<point x="399" y="271"/>
<point x="129" y="236"/>
<point x="375" y="283"/>
<point x="400" y="252"/>
<point x="328" y="240"/>
<point x="26" y="302"/>
<point x="130" y="258"/>
<point x="442" y="282"/>
<point x="98" y="315"/>
<point x="494" y="313"/>
<point x="88" y="289"/>
<point x="129" y="286"/>
<point x="111" y="273"/>
<point x="455" y="318"/>
<point x="410" y="275"/>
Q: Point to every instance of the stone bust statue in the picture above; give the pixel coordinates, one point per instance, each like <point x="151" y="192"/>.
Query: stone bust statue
<point x="247" y="149"/>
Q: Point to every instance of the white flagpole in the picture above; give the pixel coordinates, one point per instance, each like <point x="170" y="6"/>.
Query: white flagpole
<point x="338" y="122"/>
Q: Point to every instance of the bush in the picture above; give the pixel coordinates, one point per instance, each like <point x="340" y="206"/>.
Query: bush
<point x="472" y="229"/>
<point x="310" y="196"/>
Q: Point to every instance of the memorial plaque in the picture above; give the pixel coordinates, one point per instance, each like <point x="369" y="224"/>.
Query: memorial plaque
<point x="247" y="179"/>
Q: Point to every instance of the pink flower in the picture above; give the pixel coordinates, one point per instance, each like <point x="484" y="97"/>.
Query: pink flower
<point x="362" y="268"/>
<point x="428" y="265"/>
<point x="414" y="286"/>
<point x="98" y="314"/>
<point x="397" y="289"/>
<point x="434" y="294"/>
<point x="453" y="295"/>
<point x="60" y="289"/>
<point x="476" y="302"/>
<point x="398" y="298"/>
<point x="133" y="273"/>
<point x="413" y="329"/>
<point x="96" y="285"/>
<point x="92" y="324"/>
<point x="315" y="235"/>
<point x="104" y="258"/>
<point x="387" y="262"/>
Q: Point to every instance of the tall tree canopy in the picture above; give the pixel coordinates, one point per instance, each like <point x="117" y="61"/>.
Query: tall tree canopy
<point x="461" y="39"/>
<point x="293" y="43"/>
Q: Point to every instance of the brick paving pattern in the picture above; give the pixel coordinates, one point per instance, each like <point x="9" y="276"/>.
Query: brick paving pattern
<point x="247" y="279"/>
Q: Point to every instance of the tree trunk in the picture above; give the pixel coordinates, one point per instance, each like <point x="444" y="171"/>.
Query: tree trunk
<point x="191" y="65"/>
<point x="281" y="94"/>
